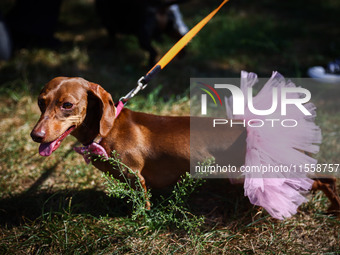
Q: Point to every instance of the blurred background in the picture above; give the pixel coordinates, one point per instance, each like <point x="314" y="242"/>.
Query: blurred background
<point x="101" y="41"/>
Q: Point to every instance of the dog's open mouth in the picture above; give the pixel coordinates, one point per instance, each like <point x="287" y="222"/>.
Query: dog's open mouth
<point x="46" y="149"/>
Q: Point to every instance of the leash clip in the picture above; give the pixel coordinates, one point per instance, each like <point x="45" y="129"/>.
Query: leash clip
<point x="141" y="84"/>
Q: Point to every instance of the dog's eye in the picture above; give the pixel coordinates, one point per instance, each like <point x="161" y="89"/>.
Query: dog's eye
<point x="67" y="105"/>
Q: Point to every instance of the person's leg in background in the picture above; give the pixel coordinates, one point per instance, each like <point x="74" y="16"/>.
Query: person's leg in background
<point x="5" y="41"/>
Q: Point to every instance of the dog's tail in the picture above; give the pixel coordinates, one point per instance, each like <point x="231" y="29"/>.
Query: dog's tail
<point x="276" y="176"/>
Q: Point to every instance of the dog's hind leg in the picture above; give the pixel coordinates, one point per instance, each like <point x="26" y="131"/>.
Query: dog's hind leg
<point x="328" y="186"/>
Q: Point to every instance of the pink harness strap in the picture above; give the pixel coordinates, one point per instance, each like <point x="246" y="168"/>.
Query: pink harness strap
<point x="95" y="148"/>
<point x="119" y="108"/>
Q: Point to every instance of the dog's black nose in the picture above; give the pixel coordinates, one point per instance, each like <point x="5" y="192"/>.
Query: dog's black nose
<point x="38" y="136"/>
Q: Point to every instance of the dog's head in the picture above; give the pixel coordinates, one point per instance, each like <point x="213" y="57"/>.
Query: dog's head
<point x="72" y="106"/>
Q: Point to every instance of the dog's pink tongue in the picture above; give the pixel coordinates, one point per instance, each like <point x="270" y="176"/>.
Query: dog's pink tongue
<point x="46" y="149"/>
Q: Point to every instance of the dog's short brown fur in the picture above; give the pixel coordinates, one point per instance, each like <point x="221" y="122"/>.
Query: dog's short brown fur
<point x="156" y="147"/>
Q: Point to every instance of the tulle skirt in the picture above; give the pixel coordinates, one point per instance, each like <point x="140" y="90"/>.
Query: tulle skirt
<point x="277" y="146"/>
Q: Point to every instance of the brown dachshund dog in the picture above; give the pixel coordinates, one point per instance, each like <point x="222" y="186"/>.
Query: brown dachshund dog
<point x="157" y="148"/>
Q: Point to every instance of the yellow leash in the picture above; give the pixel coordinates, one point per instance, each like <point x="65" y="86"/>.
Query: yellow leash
<point x="143" y="81"/>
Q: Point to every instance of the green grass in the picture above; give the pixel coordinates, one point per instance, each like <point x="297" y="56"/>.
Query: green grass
<point x="60" y="205"/>
<point x="169" y="212"/>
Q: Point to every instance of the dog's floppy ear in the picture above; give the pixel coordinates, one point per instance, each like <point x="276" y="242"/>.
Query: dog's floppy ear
<point x="108" y="109"/>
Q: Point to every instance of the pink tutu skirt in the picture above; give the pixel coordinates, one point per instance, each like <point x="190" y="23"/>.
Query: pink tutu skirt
<point x="281" y="192"/>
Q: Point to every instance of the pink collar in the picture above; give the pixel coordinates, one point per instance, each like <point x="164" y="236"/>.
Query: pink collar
<point x="95" y="148"/>
<point x="92" y="149"/>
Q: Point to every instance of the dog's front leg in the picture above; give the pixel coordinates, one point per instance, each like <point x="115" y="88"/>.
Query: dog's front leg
<point x="143" y="183"/>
